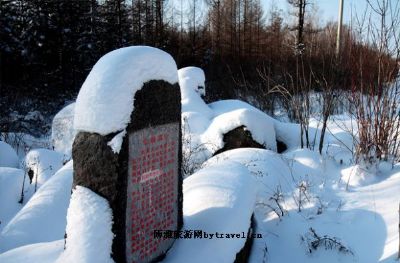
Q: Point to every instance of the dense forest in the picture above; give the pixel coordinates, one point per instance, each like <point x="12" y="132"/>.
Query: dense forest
<point x="48" y="47"/>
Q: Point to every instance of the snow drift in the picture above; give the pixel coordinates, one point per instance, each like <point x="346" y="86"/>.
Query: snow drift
<point x="11" y="181"/>
<point x="8" y="157"/>
<point x="43" y="163"/>
<point x="43" y="218"/>
<point x="216" y="199"/>
<point x="89" y="236"/>
<point x="47" y="252"/>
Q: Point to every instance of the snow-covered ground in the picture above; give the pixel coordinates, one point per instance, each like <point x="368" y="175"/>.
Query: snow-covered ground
<point x="308" y="207"/>
<point x="363" y="219"/>
<point x="43" y="217"/>
<point x="217" y="199"/>
<point x="8" y="157"/>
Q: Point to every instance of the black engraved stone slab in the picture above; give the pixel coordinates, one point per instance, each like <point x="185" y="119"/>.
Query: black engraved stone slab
<point x="152" y="191"/>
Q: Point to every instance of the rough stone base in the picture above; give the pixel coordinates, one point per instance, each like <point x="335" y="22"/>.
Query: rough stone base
<point x="239" y="138"/>
<point x="97" y="168"/>
<point x="280" y="146"/>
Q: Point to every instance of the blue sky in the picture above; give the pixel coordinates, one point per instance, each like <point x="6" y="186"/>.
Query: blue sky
<point x="327" y="9"/>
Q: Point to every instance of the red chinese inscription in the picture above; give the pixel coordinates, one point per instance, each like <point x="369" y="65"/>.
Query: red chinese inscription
<point x="152" y="204"/>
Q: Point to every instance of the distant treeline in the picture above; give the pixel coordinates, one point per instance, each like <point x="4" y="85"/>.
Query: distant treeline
<point x="48" y="47"/>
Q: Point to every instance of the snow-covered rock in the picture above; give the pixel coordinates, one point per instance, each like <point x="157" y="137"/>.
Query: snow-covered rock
<point x="89" y="236"/>
<point x="43" y="218"/>
<point x="204" y="136"/>
<point x="62" y="130"/>
<point x="262" y="129"/>
<point x="287" y="133"/>
<point x="105" y="101"/>
<point x="11" y="181"/>
<point x="195" y="112"/>
<point x="8" y="157"/>
<point x="196" y="117"/>
<point x="193" y="77"/>
<point x="216" y="199"/>
<point x="44" y="163"/>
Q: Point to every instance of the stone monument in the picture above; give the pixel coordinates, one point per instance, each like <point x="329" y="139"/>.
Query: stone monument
<point x="142" y="179"/>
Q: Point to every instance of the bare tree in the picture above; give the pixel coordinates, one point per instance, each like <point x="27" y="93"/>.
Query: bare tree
<point x="300" y="5"/>
<point x="375" y="89"/>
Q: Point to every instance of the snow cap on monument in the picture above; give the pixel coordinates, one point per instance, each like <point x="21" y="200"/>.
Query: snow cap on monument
<point x="104" y="103"/>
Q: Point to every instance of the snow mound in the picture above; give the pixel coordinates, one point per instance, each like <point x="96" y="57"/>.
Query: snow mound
<point x="8" y="157"/>
<point x="216" y="199"/>
<point x="224" y="106"/>
<point x="357" y="175"/>
<point x="44" y="163"/>
<point x="189" y="80"/>
<point x="43" y="218"/>
<point x="267" y="167"/>
<point x="196" y="117"/>
<point x="194" y="122"/>
<point x="261" y="128"/>
<point x="62" y="130"/>
<point x="89" y="236"/>
<point x="193" y="77"/>
<point x="22" y="142"/>
<point x="203" y="136"/>
<point x="288" y="133"/>
<point x="105" y="101"/>
<point x="305" y="162"/>
<point x="339" y="136"/>
<point x="338" y="153"/>
<point x="11" y="181"/>
<point x="35" y="253"/>
<point x="270" y="170"/>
